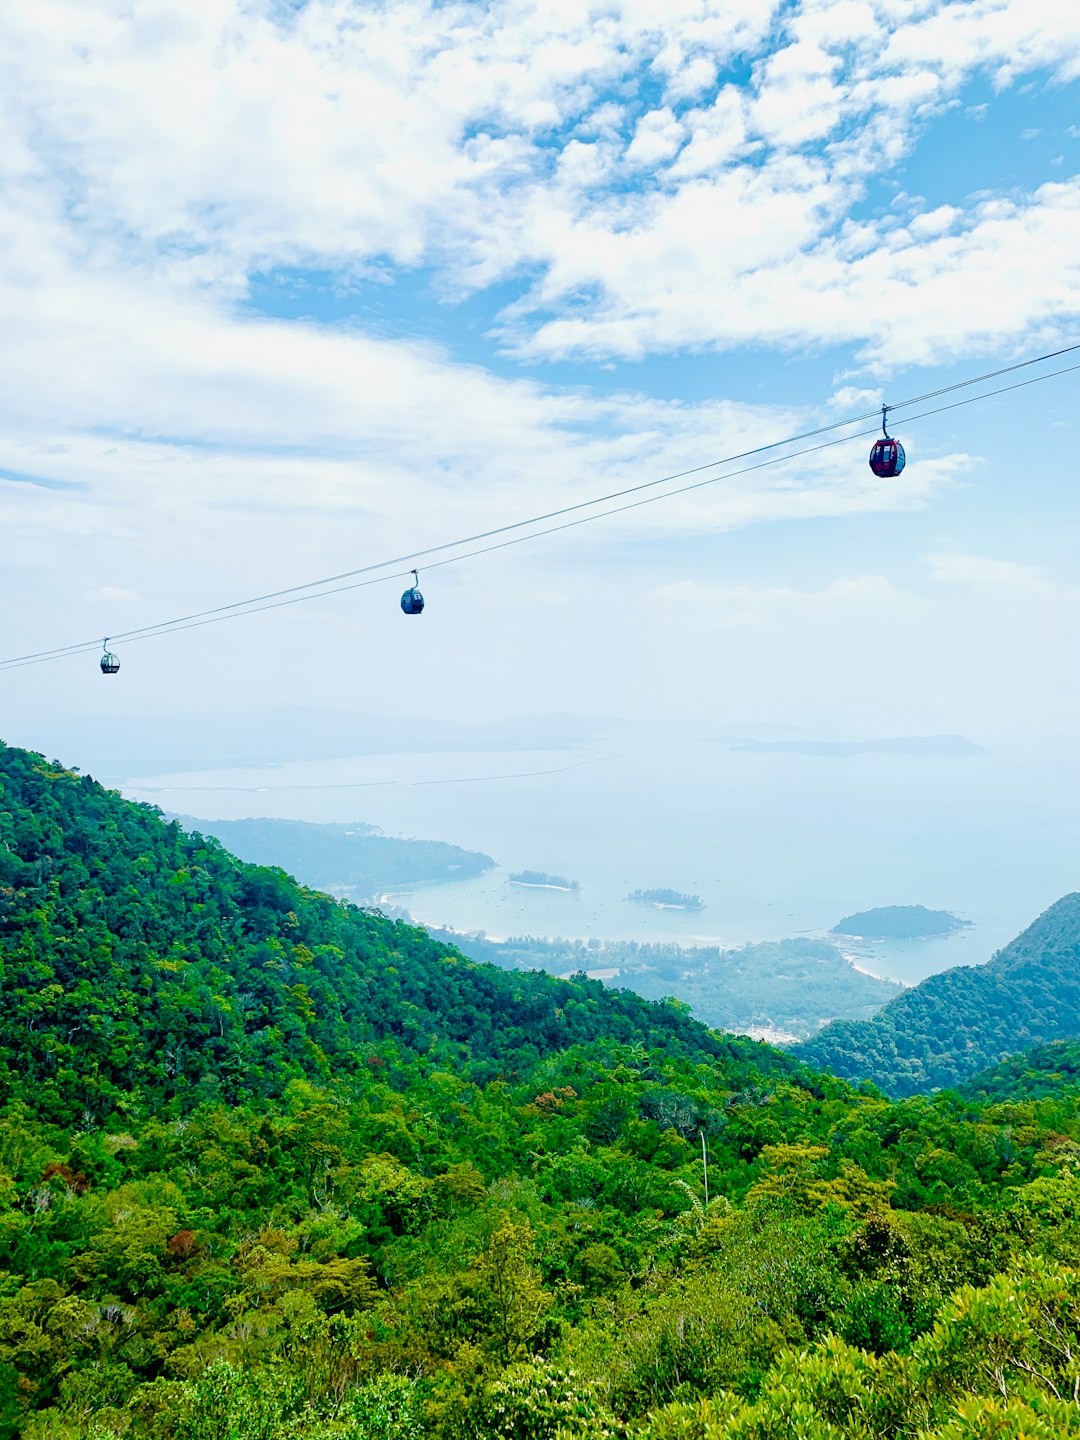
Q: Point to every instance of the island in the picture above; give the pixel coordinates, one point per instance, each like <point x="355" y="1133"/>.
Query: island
<point x="899" y="922"/>
<point x="666" y="899"/>
<point x="538" y="880"/>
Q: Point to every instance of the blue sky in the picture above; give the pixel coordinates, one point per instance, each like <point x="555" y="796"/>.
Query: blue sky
<point x="291" y="289"/>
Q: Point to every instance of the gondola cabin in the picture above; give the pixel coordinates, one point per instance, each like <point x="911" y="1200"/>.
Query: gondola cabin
<point x="412" y="602"/>
<point x="109" y="663"/>
<point x="887" y="458"/>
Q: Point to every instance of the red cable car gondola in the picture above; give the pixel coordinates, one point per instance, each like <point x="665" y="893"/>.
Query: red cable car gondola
<point x="887" y="458"/>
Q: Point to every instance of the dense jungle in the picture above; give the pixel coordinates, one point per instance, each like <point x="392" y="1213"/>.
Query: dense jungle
<point x="273" y="1167"/>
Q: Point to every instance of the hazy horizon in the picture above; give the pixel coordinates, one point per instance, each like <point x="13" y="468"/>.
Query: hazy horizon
<point x="777" y="842"/>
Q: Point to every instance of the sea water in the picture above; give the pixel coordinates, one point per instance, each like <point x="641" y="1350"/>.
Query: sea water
<point x="776" y="844"/>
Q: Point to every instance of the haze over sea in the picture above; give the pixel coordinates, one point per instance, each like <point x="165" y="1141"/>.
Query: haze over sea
<point x="776" y="843"/>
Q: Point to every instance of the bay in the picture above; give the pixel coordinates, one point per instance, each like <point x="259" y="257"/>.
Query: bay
<point x="776" y="844"/>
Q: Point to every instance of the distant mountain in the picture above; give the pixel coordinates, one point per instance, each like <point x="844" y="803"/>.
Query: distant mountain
<point x="953" y="1025"/>
<point x="354" y="859"/>
<point x="127" y="745"/>
<point x="844" y="749"/>
<point x="899" y="922"/>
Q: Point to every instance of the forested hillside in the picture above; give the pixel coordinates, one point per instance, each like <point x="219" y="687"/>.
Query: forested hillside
<point x="951" y="1026"/>
<point x="1048" y="1070"/>
<point x="144" y="965"/>
<point x="272" y="1168"/>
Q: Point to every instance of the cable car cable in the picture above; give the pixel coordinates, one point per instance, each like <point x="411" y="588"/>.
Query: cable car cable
<point x="254" y="605"/>
<point x="240" y="606"/>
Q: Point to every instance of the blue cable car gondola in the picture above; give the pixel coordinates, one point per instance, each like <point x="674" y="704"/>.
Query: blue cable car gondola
<point x="887" y="458"/>
<point x="412" y="602"/>
<point x="109" y="663"/>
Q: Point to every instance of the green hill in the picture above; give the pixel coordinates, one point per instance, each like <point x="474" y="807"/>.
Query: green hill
<point x="144" y="964"/>
<point x="276" y="1168"/>
<point x="1047" y="1070"/>
<point x="948" y="1028"/>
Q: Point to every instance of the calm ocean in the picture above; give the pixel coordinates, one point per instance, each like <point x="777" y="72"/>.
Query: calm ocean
<point x="776" y="844"/>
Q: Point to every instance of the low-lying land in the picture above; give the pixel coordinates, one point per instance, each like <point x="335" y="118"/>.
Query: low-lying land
<point x="782" y="989"/>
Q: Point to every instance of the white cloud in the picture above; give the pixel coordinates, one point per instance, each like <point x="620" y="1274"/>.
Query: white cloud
<point x="965" y="656"/>
<point x="658" y="136"/>
<point x="602" y="156"/>
<point x="982" y="570"/>
<point x="202" y="142"/>
<point x="114" y="594"/>
<point x="749" y="606"/>
<point x="849" y="398"/>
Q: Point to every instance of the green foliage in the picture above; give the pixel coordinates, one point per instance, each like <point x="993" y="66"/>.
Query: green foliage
<point x="389" y="1407"/>
<point x="540" y="1401"/>
<point x="274" y="1168"/>
<point x="1044" y="1071"/>
<point x="145" y="966"/>
<point x="230" y="1403"/>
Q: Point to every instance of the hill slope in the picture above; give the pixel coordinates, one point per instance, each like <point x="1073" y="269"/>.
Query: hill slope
<point x="1048" y="1070"/>
<point x="144" y="964"/>
<point x="953" y="1025"/>
<point x="408" y="1241"/>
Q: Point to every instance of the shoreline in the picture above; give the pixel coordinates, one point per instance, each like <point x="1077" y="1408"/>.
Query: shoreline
<point x="666" y="905"/>
<point x="853" y="961"/>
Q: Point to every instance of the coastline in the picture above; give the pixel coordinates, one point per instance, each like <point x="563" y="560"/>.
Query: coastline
<point x="853" y="961"/>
